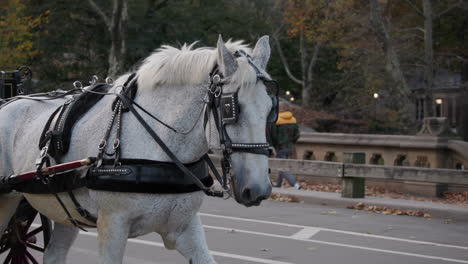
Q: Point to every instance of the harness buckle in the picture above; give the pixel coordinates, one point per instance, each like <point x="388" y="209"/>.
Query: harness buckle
<point x="216" y="79"/>
<point x="217" y="92"/>
<point x="103" y="144"/>
<point x="45" y="180"/>
<point x="42" y="156"/>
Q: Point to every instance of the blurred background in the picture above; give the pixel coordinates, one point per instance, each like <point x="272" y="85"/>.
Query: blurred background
<point x="353" y="66"/>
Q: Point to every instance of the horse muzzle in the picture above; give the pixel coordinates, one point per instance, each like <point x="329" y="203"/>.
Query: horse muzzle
<point x="251" y="194"/>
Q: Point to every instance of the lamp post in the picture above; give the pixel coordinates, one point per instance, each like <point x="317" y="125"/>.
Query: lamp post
<point x="439" y="102"/>
<point x="376" y="96"/>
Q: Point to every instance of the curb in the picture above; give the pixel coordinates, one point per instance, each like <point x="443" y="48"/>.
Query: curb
<point x="436" y="210"/>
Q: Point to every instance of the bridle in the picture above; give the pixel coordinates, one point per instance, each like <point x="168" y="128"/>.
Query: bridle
<point x="225" y="110"/>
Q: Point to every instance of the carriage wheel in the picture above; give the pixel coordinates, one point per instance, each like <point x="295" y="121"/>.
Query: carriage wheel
<point x="19" y="239"/>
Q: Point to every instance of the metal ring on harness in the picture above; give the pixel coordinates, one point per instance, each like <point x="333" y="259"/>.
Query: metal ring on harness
<point x="94" y="80"/>
<point x="109" y="81"/>
<point x="216" y="79"/>
<point x="116" y="143"/>
<point x="218" y="92"/>
<point x="77" y="84"/>
<point x="103" y="144"/>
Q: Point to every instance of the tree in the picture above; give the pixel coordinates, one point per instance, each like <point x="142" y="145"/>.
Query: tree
<point x="116" y="25"/>
<point x="302" y="17"/>
<point x="428" y="13"/>
<point x="328" y="36"/>
<point x="19" y="32"/>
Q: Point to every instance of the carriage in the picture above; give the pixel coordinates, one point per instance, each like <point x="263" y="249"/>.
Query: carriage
<point x="23" y="236"/>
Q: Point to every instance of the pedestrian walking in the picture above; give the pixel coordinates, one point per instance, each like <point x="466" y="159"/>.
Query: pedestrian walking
<point x="283" y="136"/>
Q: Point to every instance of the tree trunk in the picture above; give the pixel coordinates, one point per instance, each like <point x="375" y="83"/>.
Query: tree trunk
<point x="393" y="65"/>
<point x="428" y="58"/>
<point x="118" y="33"/>
<point x="308" y="86"/>
<point x="307" y="94"/>
<point x="117" y="28"/>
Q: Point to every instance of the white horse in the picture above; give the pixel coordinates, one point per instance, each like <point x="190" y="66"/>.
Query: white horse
<point x="172" y="84"/>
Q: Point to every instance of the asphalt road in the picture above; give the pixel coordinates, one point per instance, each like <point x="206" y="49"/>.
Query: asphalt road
<point x="284" y="233"/>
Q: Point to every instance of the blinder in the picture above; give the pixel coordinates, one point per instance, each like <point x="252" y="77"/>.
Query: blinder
<point x="271" y="86"/>
<point x="229" y="108"/>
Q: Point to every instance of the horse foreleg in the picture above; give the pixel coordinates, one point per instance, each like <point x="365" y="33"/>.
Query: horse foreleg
<point x="112" y="234"/>
<point x="62" y="239"/>
<point x="8" y="204"/>
<point x="191" y="243"/>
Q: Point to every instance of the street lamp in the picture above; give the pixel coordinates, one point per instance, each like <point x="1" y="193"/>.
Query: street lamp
<point x="292" y="99"/>
<point x="376" y="96"/>
<point x="439" y="102"/>
<point x="288" y="92"/>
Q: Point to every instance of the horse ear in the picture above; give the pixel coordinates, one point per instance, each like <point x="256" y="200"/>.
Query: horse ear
<point x="261" y="52"/>
<point x="226" y="61"/>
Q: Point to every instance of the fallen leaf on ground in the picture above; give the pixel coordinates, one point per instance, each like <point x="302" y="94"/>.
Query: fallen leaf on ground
<point x="285" y="198"/>
<point x="387" y="210"/>
<point x="459" y="198"/>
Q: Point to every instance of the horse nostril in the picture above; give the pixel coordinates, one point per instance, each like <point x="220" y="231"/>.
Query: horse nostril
<point x="246" y="195"/>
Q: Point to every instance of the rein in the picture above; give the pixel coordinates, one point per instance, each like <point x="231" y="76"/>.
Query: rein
<point x="224" y="108"/>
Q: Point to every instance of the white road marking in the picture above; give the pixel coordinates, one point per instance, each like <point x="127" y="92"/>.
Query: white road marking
<point x="306" y="233"/>
<point x="214" y="253"/>
<point x="419" y="242"/>
<point x="342" y="245"/>
<point x="267" y="261"/>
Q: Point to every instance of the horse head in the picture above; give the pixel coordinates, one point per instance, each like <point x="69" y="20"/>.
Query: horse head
<point x="244" y="132"/>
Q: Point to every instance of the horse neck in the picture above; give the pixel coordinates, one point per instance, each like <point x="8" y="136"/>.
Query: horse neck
<point x="177" y="106"/>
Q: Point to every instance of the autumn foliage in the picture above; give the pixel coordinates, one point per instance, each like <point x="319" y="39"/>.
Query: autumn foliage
<point x="18" y="33"/>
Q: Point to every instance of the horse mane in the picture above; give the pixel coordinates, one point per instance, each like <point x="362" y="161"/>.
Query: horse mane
<point x="170" y="65"/>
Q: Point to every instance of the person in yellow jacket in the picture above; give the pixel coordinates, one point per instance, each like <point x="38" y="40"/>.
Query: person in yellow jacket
<point x="283" y="136"/>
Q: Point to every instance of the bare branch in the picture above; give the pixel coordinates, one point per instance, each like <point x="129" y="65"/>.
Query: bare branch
<point x="313" y="61"/>
<point x="84" y="20"/>
<point x="99" y="11"/>
<point x="449" y="54"/>
<point x="410" y="29"/>
<point x="160" y="4"/>
<point x="448" y="9"/>
<point x="155" y="5"/>
<point x="417" y="9"/>
<point x="422" y="66"/>
<point x="285" y="62"/>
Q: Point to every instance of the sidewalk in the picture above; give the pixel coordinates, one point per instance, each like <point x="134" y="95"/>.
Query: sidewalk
<point x="437" y="210"/>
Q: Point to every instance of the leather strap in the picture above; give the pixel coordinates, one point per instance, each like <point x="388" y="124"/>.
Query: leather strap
<point x="83" y="212"/>
<point x="166" y="149"/>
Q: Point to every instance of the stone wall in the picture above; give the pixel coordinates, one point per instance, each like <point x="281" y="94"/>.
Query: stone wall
<point x="390" y="150"/>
